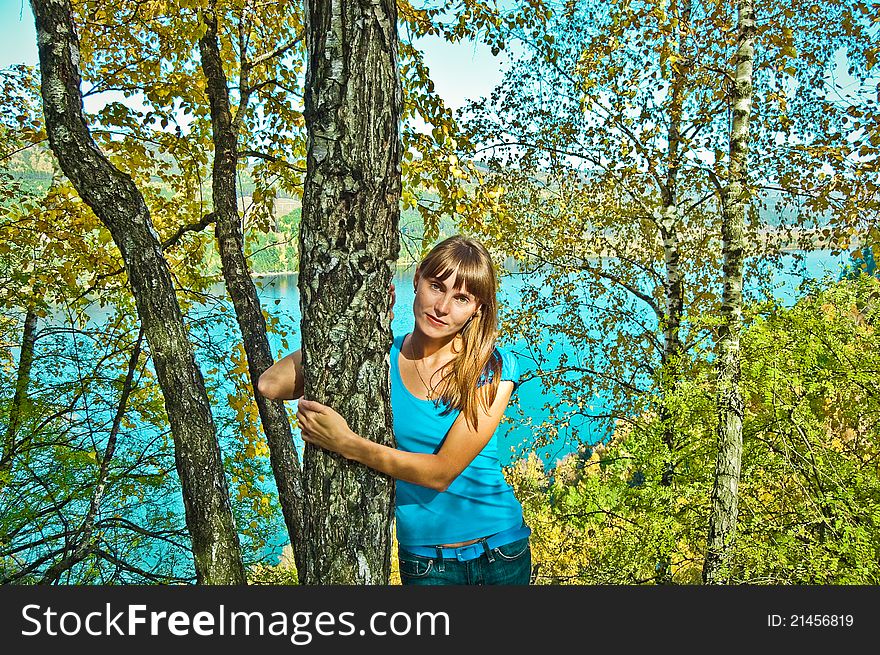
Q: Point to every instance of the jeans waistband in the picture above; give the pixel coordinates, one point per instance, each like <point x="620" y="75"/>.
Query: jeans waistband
<point x="474" y="550"/>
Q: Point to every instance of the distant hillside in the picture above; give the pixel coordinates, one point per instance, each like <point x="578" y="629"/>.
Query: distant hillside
<point x="277" y="251"/>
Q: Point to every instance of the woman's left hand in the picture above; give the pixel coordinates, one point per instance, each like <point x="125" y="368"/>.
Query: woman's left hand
<point x="324" y="427"/>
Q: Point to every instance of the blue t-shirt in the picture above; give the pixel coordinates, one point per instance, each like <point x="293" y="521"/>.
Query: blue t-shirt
<point x="479" y="502"/>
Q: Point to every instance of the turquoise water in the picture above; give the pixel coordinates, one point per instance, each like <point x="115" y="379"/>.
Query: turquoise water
<point x="534" y="404"/>
<point x="515" y="435"/>
<point x="279" y="295"/>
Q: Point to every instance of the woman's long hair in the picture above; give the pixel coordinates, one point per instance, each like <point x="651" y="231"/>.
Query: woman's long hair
<point x="471" y="378"/>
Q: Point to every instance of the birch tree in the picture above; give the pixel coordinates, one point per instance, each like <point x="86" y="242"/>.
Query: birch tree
<point x="734" y="200"/>
<point x="348" y="243"/>
<point x="227" y="126"/>
<point x="116" y="200"/>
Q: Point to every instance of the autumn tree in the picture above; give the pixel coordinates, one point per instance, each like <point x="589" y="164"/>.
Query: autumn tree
<point x="734" y="194"/>
<point x="116" y="200"/>
<point x="86" y="491"/>
<point x="221" y="103"/>
<point x="607" y="144"/>
<point x="226" y="127"/>
<point x="348" y="243"/>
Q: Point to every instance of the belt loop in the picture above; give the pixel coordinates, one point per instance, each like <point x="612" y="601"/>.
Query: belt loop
<point x="488" y="551"/>
<point x="441" y="565"/>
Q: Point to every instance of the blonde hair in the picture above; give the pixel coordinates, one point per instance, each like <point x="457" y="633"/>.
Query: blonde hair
<point x="478" y="360"/>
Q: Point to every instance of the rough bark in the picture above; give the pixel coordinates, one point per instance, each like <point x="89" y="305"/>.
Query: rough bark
<point x="348" y="244"/>
<point x="669" y="225"/>
<point x="22" y="382"/>
<point x="115" y="199"/>
<point x="273" y="416"/>
<point x="723" y="513"/>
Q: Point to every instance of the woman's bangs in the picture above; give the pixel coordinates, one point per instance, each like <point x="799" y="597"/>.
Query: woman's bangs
<point x="470" y="273"/>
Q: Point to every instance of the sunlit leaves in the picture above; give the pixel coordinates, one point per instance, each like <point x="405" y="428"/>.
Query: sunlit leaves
<point x="809" y="489"/>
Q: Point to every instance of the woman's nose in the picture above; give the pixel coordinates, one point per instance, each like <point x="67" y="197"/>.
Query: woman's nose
<point x="442" y="304"/>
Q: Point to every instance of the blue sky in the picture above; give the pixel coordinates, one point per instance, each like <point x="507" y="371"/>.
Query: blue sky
<point x="460" y="71"/>
<point x="18" y="40"/>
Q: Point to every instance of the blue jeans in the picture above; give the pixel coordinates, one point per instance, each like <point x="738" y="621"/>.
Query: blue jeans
<point x="510" y="564"/>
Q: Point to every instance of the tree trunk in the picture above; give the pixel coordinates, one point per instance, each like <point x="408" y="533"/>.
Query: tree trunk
<point x="82" y="543"/>
<point x="115" y="199"/>
<point x="273" y="416"/>
<point x="723" y="514"/>
<point x="669" y="224"/>
<point x="348" y="245"/>
<point x="22" y="382"/>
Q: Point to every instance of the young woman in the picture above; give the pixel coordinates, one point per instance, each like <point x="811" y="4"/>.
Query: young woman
<point x="457" y="519"/>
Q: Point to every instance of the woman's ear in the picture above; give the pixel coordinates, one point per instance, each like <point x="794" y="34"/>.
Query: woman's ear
<point x="416" y="279"/>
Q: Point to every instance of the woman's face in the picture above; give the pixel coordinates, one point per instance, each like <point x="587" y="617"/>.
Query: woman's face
<point x="439" y="309"/>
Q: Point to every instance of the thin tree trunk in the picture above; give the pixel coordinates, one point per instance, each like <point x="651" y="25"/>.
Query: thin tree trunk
<point x="348" y="245"/>
<point x="82" y="542"/>
<point x="273" y="415"/>
<point x="669" y="225"/>
<point x="22" y="382"/>
<point x="115" y="199"/>
<point x="723" y="514"/>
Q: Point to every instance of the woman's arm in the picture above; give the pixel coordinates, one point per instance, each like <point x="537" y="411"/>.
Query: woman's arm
<point x="324" y="427"/>
<point x="284" y="379"/>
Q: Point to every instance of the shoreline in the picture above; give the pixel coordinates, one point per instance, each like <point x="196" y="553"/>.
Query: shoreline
<point x="398" y="265"/>
<point x="402" y="265"/>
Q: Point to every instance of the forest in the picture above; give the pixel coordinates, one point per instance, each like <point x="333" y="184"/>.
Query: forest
<point x="642" y="169"/>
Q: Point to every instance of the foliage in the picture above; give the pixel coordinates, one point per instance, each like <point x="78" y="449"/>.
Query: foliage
<point x="438" y="180"/>
<point x="283" y="573"/>
<point x="563" y="170"/>
<point x="811" y="442"/>
<point x="277" y="251"/>
<point x="810" y="490"/>
<point x="138" y="535"/>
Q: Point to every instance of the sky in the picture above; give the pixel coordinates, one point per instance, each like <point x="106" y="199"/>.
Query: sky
<point x="18" y="40"/>
<point x="460" y="71"/>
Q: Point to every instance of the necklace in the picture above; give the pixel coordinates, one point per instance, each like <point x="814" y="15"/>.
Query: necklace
<point x="431" y="390"/>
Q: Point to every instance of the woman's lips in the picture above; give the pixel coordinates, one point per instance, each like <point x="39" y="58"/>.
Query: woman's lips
<point x="434" y="320"/>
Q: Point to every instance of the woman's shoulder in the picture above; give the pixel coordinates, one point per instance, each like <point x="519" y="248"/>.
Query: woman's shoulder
<point x="508" y="363"/>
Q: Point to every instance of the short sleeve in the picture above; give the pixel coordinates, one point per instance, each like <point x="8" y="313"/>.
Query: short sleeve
<point x="509" y="368"/>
